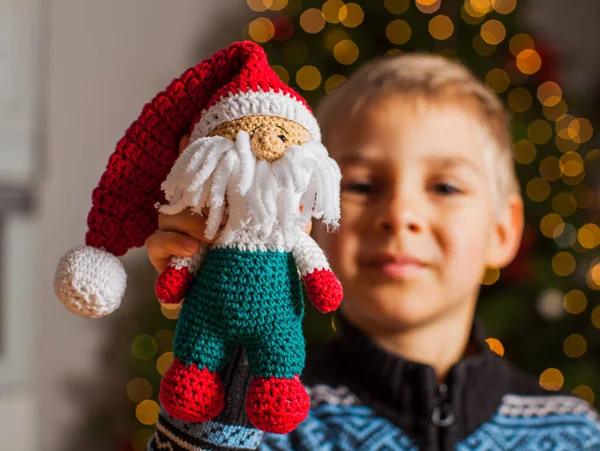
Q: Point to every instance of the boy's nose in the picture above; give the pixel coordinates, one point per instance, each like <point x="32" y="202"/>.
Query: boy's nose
<point x="400" y="213"/>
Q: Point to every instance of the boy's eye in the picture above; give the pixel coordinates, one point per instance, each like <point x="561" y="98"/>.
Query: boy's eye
<point x="446" y="188"/>
<point x="359" y="188"/>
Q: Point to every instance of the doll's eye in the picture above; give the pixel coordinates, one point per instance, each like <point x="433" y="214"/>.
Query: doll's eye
<point x="282" y="137"/>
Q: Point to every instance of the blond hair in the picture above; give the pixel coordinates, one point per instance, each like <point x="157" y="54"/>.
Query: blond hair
<point x="434" y="78"/>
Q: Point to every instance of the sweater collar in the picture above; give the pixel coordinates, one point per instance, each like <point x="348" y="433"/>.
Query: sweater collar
<point x="406" y="392"/>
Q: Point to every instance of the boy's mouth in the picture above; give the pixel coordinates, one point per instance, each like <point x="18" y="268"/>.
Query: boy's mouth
<point x="395" y="266"/>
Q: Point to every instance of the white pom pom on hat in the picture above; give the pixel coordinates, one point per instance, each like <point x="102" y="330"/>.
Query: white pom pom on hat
<point x="234" y="82"/>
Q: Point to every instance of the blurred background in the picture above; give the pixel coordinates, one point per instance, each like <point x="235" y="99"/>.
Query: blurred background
<point x="74" y="75"/>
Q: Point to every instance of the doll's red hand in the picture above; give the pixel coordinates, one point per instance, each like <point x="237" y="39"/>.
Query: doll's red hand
<point x="324" y="290"/>
<point x="172" y="284"/>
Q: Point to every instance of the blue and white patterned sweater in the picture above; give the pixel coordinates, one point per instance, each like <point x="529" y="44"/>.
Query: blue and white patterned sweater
<point x="365" y="399"/>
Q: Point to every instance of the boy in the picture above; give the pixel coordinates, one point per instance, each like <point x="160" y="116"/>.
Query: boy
<point x="429" y="199"/>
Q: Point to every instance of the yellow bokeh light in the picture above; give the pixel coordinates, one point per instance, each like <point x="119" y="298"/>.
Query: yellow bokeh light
<point x="497" y="80"/>
<point x="345" y="52"/>
<point x="538" y="189"/>
<point x="396" y="6"/>
<point x="312" y="20"/>
<point x="147" y="412"/>
<point x="259" y="5"/>
<point x="552" y="113"/>
<point x="593" y="155"/>
<point x="441" y="27"/>
<point x="163" y="363"/>
<point x="354" y="16"/>
<point x="581" y="130"/>
<point x="282" y="73"/>
<point x="278" y="5"/>
<point x="564" y="204"/>
<point x="565" y="144"/>
<point x="308" y="78"/>
<point x="520" y="42"/>
<point x="139" y="389"/>
<point x="552" y="379"/>
<point x="170" y="311"/>
<point x="584" y="196"/>
<point x="333" y="82"/>
<point x="596" y="317"/>
<point x="524" y="152"/>
<point x="562" y="126"/>
<point x="334" y="11"/>
<point x="549" y="93"/>
<point x="585" y="393"/>
<point x="490" y="276"/>
<point x="539" y="131"/>
<point x="398" y="32"/>
<point x="495" y="345"/>
<point x="493" y="32"/>
<point x="481" y="6"/>
<point x="529" y="61"/>
<point x="573" y="181"/>
<point x="549" y="168"/>
<point x="481" y="47"/>
<point x="470" y="16"/>
<point x="504" y="6"/>
<point x="563" y="264"/>
<point x="593" y="277"/>
<point x="261" y="30"/>
<point x="144" y="347"/>
<point x="575" y="346"/>
<point x="552" y="225"/>
<point x="428" y="6"/>
<point x="335" y="36"/>
<point x="571" y="164"/>
<point x="520" y="100"/>
<point x="575" y="302"/>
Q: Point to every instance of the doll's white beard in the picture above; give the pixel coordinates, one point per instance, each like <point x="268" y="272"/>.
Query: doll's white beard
<point x="227" y="177"/>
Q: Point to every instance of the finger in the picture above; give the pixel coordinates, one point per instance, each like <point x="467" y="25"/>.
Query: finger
<point x="163" y="245"/>
<point x="192" y="224"/>
<point x="308" y="227"/>
<point x="183" y="143"/>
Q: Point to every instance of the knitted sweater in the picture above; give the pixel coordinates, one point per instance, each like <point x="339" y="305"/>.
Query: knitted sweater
<point x="363" y="398"/>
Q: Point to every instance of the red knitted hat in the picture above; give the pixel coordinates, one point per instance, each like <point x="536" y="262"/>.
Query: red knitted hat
<point x="234" y="82"/>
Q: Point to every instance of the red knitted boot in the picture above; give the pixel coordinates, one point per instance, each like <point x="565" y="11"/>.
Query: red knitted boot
<point x="191" y="394"/>
<point x="277" y="405"/>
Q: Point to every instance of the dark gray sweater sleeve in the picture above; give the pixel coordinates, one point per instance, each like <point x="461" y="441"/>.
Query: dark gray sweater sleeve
<point x="230" y="430"/>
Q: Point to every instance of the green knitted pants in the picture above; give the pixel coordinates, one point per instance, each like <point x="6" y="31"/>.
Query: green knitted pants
<point x="251" y="299"/>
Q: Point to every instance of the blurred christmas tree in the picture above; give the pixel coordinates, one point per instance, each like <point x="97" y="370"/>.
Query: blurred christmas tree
<point x="543" y="309"/>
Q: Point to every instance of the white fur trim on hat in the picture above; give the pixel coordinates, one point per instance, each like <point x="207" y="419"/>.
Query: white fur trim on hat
<point x="256" y="103"/>
<point x="90" y="282"/>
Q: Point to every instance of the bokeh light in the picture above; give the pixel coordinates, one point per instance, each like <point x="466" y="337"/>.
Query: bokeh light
<point x="529" y="61"/>
<point x="565" y="144"/>
<point x="519" y="100"/>
<point x="495" y="345"/>
<point x="261" y="30"/>
<point x="398" y="32"/>
<point x="568" y="237"/>
<point x="481" y="47"/>
<point x="139" y="389"/>
<point x="334" y="36"/>
<point x="396" y="6"/>
<point x="354" y="16"/>
<point x="593" y="277"/>
<point x="520" y="42"/>
<point x="575" y="346"/>
<point x="441" y="27"/>
<point x="345" y="52"/>
<point x="144" y="347"/>
<point x="163" y="363"/>
<point x="334" y="11"/>
<point x="538" y="189"/>
<point x="596" y="317"/>
<point x="481" y="6"/>
<point x="282" y="73"/>
<point x="552" y="225"/>
<point x="170" y="311"/>
<point x="259" y="5"/>
<point x="552" y="379"/>
<point x="571" y="164"/>
<point x="585" y="393"/>
<point x="497" y="80"/>
<point x="564" y="204"/>
<point x="504" y="6"/>
<point x="428" y="6"/>
<point x="493" y="32"/>
<point x="549" y="168"/>
<point x="333" y="82"/>
<point x="562" y="126"/>
<point x="549" y="94"/>
<point x="308" y="78"/>
<point x="552" y="113"/>
<point x="278" y="5"/>
<point x="147" y="412"/>
<point x="524" y="151"/>
<point x="539" y="131"/>
<point x="575" y="302"/>
<point x="580" y="130"/>
<point x="312" y="20"/>
<point x="563" y="264"/>
<point x="491" y="275"/>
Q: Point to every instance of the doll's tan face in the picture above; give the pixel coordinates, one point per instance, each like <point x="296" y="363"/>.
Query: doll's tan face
<point x="269" y="135"/>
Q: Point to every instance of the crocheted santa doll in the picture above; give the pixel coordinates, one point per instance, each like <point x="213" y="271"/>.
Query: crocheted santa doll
<point x="254" y="158"/>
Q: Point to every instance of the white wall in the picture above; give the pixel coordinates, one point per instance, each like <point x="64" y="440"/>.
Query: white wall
<point x="103" y="61"/>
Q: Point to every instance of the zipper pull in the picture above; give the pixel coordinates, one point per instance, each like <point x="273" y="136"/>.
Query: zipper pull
<point x="442" y="415"/>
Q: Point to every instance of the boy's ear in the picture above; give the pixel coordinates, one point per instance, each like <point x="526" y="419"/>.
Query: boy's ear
<point x="508" y="232"/>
